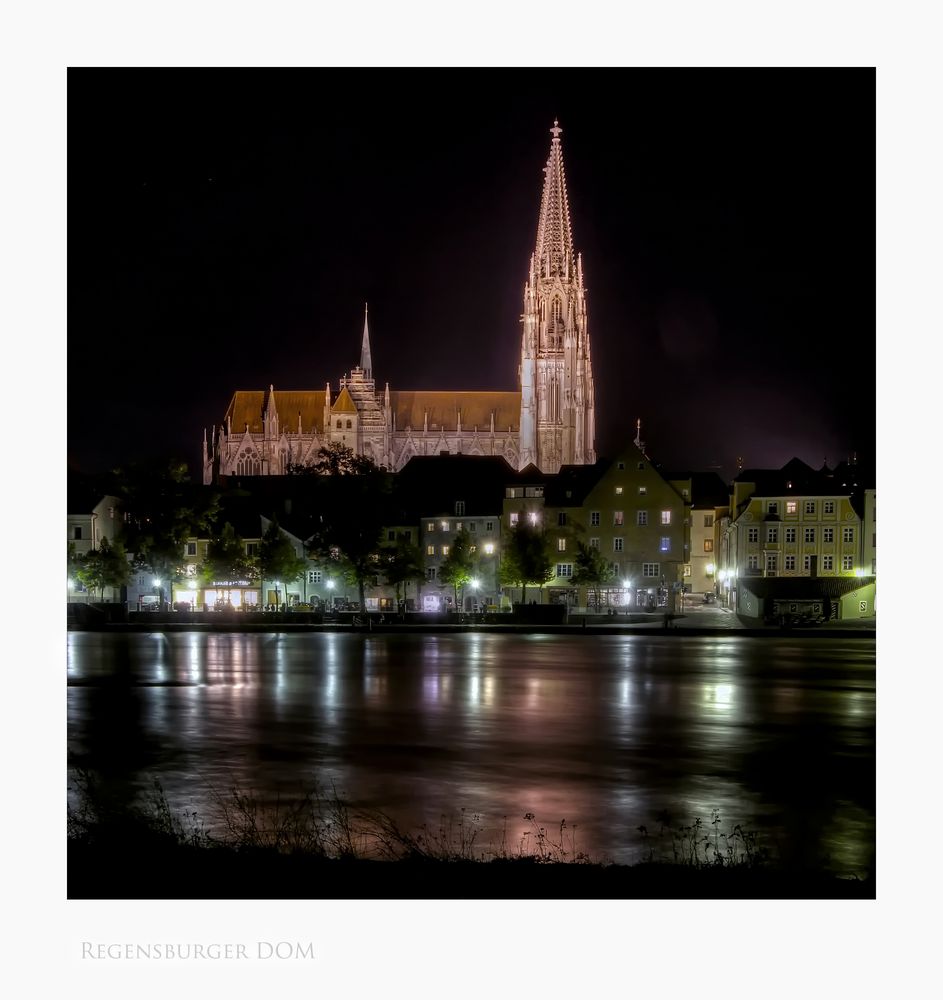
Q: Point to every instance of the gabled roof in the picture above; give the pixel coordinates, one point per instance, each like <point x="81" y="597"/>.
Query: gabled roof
<point x="245" y="407"/>
<point x="412" y="407"/>
<point x="343" y="403"/>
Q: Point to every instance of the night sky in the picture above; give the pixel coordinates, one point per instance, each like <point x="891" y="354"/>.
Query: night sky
<point x="225" y="228"/>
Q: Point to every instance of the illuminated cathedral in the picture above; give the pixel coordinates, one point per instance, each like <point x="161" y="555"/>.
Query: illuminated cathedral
<point x="548" y="422"/>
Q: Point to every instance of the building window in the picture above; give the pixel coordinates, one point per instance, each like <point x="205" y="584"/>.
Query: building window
<point x="472" y="525"/>
<point x="594" y="518"/>
<point x="532" y="517"/>
<point x="472" y="548"/>
<point x="753" y="562"/>
<point x="650" y="569"/>
<point x="430" y="573"/>
<point x="847" y="562"/>
<point x="564" y="569"/>
<point x="77" y="533"/>
<point x="848" y="534"/>
<point x="642" y="491"/>
<point x="641" y="517"/>
<point x="489" y="548"/>
<point x="621" y="466"/>
<point x="666" y="517"/>
<point x="618" y="491"/>
<point x="514" y="518"/>
<point x="790" y="562"/>
<point x="445" y="550"/>
<point x="459" y="507"/>
<point x="828" y="534"/>
<point x="809" y="535"/>
<point x="561" y="545"/>
<point x="252" y="549"/>
<point x="614" y="568"/>
<point x="828" y="563"/>
<point x="594" y="543"/>
<point x="687" y="569"/>
<point x="349" y="425"/>
<point x="810" y="506"/>
<point x="772" y="533"/>
<point x="708" y="520"/>
<point x="708" y="544"/>
<point x="314" y="576"/>
<point x="339" y="425"/>
<point x="430" y="550"/>
<point x="617" y="519"/>
<point x="807" y="563"/>
<point x="829" y="506"/>
<point x="430" y="526"/>
<point x="772" y="507"/>
<point x="771" y="560"/>
<point x="641" y="467"/>
<point x="753" y="534"/>
<point x="665" y="544"/>
<point x="444" y="525"/>
<point x="791" y="506"/>
<point x="489" y="525"/>
<point x="790" y="534"/>
<point x="617" y="544"/>
<point x="191" y="548"/>
<point x="391" y="536"/>
<point x="561" y="519"/>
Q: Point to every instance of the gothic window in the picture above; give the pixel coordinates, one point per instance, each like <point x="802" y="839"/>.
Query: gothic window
<point x="349" y="424"/>
<point x="339" y="425"/>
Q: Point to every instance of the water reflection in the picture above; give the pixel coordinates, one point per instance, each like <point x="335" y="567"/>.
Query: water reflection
<point x="602" y="731"/>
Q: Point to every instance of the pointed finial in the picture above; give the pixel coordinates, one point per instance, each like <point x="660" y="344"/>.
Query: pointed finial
<point x="556" y="130"/>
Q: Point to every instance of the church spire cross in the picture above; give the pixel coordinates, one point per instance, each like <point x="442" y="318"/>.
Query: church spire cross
<point x="554" y="251"/>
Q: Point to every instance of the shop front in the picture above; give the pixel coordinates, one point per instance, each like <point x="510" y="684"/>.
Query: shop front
<point x="218" y="595"/>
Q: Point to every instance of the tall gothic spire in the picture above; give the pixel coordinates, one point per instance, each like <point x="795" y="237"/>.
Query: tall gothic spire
<point x="554" y="251"/>
<point x="365" y="363"/>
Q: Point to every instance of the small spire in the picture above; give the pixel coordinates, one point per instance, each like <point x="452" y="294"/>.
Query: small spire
<point x="365" y="362"/>
<point x="556" y="130"/>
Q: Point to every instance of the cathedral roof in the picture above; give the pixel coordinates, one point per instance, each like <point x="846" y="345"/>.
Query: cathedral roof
<point x="554" y="252"/>
<point x="442" y="408"/>
<point x="246" y="408"/>
<point x="343" y="403"/>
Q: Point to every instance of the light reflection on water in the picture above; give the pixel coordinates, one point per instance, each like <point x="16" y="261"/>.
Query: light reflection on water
<point x="602" y="731"/>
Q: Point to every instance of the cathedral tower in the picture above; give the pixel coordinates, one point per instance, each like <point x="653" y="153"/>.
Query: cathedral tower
<point x="556" y="375"/>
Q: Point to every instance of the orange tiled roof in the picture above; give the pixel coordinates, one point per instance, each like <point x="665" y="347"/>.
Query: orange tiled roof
<point x="246" y="408"/>
<point x="410" y="407"/>
<point x="343" y="403"/>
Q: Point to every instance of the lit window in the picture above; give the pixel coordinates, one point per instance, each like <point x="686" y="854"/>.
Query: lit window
<point x="650" y="569"/>
<point x="829" y="507"/>
<point x="458" y="525"/>
<point x="564" y="569"/>
<point x="753" y="534"/>
<point x="594" y="543"/>
<point x="561" y="545"/>
<point x="489" y="548"/>
<point x="828" y="534"/>
<point x="445" y="550"/>
<point x="617" y="545"/>
<point x="790" y="534"/>
<point x="666" y="517"/>
<point x="847" y="562"/>
<point x="791" y="506"/>
<point x="642" y="491"/>
<point x="532" y="517"/>
<point x="810" y="506"/>
<point x="848" y="534"/>
<point x="513" y="518"/>
<point x="617" y="519"/>
<point x="444" y="525"/>
<point x="594" y="518"/>
<point x="687" y="569"/>
<point x="430" y="550"/>
<point x="641" y="517"/>
<point x="708" y="544"/>
<point x="430" y="526"/>
<point x="790" y="562"/>
<point x="618" y="491"/>
<point x="665" y="544"/>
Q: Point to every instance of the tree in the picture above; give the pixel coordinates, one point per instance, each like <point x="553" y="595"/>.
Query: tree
<point x="459" y="565"/>
<point x="106" y="566"/>
<point x="351" y="501"/>
<point x="162" y="510"/>
<point x="278" y="559"/>
<point x="401" y="563"/>
<point x="592" y="570"/>
<point x="526" y="557"/>
<point x="226" y="557"/>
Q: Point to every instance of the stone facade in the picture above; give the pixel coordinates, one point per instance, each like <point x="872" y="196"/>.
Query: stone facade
<point x="548" y="422"/>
